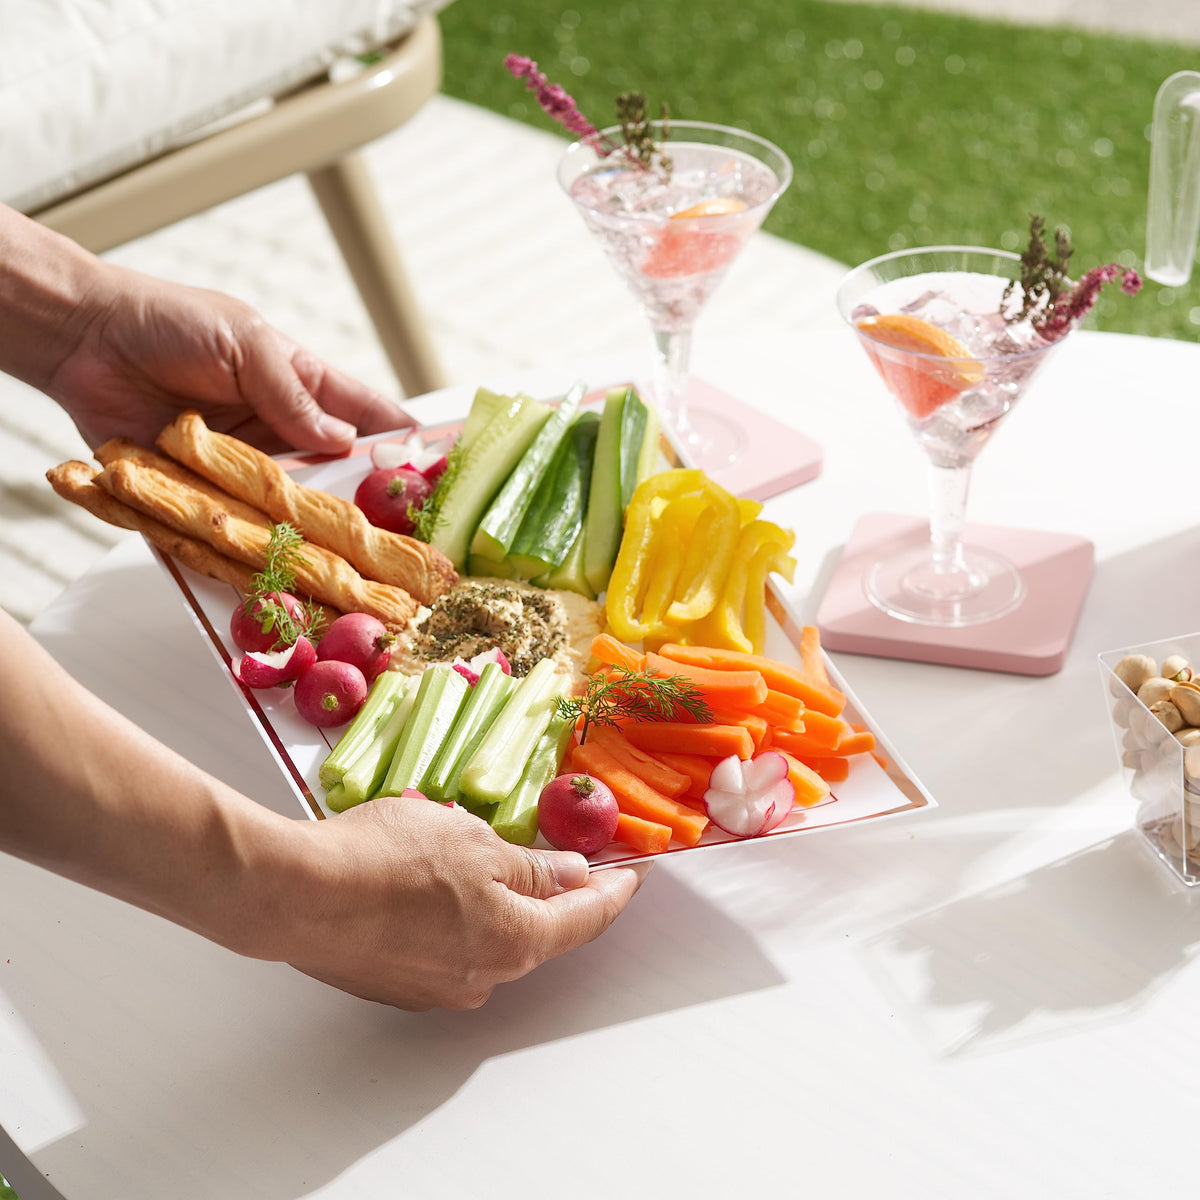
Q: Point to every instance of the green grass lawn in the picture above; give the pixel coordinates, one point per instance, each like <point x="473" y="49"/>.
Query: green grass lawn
<point x="905" y="127"/>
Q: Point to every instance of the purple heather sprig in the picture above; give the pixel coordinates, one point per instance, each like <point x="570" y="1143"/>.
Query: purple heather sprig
<point x="1048" y="297"/>
<point x="557" y="103"/>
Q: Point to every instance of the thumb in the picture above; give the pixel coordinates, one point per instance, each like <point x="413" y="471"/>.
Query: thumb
<point x="542" y="873"/>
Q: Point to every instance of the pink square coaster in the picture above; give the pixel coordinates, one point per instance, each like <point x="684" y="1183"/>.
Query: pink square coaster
<point x="777" y="456"/>
<point x="1033" y="639"/>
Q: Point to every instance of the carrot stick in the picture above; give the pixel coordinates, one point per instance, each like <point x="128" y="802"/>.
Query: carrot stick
<point x="715" y="741"/>
<point x="696" y="767"/>
<point x="811" y="657"/>
<point x="755" y="724"/>
<point x="639" y="799"/>
<point x="810" y="787"/>
<point x="779" y="676"/>
<point x="879" y="758"/>
<point x="721" y="689"/>
<point x="608" y="650"/>
<point x="799" y="744"/>
<point x="781" y="709"/>
<point x="647" y="768"/>
<point x="647" y="836"/>
<point x="856" y="743"/>
<point x="832" y="770"/>
<point x="825" y="730"/>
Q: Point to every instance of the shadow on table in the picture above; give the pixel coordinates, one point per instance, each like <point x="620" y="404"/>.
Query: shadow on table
<point x="289" y="1083"/>
<point x="1081" y="941"/>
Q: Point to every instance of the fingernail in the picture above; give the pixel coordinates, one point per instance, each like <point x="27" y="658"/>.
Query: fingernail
<point x="335" y="429"/>
<point x="570" y="870"/>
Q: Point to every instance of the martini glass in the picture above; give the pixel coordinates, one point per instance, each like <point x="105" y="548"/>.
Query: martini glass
<point x="931" y="322"/>
<point x="672" y="236"/>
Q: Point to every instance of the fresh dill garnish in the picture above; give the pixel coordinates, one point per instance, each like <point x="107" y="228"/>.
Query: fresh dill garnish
<point x="279" y="575"/>
<point x="638" y="695"/>
<point x="428" y="516"/>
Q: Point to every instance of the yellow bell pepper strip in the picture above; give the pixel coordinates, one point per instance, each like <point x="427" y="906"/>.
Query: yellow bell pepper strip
<point x="627" y="583"/>
<point x="675" y="524"/>
<point x="709" y="554"/>
<point x="754" y="619"/>
<point x="742" y="597"/>
<point x="749" y="509"/>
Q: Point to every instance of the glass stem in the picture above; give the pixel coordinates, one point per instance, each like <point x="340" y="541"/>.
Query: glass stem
<point x="948" y="487"/>
<point x="672" y="353"/>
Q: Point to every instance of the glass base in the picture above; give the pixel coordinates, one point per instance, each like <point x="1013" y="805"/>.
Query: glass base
<point x="709" y="438"/>
<point x="905" y="586"/>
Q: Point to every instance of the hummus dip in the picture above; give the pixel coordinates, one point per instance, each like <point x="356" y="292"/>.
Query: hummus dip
<point x="526" y="623"/>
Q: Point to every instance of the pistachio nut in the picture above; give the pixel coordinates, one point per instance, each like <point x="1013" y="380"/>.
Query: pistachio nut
<point x="1186" y="698"/>
<point x="1134" y="669"/>
<point x="1177" y="668"/>
<point x="1154" y="690"/>
<point x="1187" y="736"/>
<point x="1168" y="715"/>
<point x="1191" y="762"/>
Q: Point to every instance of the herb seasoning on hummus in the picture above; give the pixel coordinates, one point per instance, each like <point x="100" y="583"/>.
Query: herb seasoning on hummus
<point x="525" y="622"/>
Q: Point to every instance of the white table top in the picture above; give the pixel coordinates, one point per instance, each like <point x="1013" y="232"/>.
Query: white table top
<point x="991" y="999"/>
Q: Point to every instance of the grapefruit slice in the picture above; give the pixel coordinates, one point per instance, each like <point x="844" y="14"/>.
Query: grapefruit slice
<point x="923" y="365"/>
<point x="718" y="206"/>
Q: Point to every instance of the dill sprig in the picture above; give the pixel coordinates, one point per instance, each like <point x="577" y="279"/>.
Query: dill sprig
<point x="279" y="575"/>
<point x="638" y="695"/>
<point x="428" y="516"/>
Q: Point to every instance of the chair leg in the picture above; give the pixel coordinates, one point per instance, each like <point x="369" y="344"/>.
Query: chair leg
<point x="351" y="206"/>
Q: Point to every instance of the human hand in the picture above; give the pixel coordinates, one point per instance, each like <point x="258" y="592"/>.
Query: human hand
<point x="149" y="349"/>
<point x="422" y="906"/>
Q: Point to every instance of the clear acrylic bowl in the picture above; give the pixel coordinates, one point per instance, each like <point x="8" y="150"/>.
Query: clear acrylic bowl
<point x="1160" y="769"/>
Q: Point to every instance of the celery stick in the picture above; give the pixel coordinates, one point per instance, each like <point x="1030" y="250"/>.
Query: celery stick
<point x="438" y="700"/>
<point x="383" y="697"/>
<point x="515" y="819"/>
<point x="478" y="711"/>
<point x="366" y="773"/>
<point x="496" y="766"/>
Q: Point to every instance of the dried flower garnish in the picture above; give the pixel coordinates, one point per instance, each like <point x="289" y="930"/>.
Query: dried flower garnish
<point x="1050" y="300"/>
<point x="638" y="144"/>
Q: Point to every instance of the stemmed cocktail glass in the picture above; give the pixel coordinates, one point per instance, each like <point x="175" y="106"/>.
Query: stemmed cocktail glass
<point x="931" y="322"/>
<point x="672" y="234"/>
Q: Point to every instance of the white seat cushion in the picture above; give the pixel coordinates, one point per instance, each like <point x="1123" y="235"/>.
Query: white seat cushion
<point x="91" y="87"/>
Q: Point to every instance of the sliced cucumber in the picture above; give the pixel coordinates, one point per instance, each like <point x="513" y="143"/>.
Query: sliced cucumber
<point x="479" y="710"/>
<point x="569" y="576"/>
<point x="484" y="407"/>
<point x="487" y="460"/>
<point x="556" y="514"/>
<point x="635" y="417"/>
<point x="439" y="697"/>
<point x="496" y="766"/>
<point x="602" y="524"/>
<point x="362" y="778"/>
<point x="501" y="522"/>
<point x="516" y="817"/>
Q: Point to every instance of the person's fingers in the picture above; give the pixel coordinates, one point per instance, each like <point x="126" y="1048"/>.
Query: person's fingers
<point x="269" y="384"/>
<point x="541" y="873"/>
<point x="583" y="914"/>
<point x="336" y="392"/>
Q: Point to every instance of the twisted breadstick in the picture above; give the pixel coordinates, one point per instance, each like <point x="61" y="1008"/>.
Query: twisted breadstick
<point x="244" y="535"/>
<point x="328" y="520"/>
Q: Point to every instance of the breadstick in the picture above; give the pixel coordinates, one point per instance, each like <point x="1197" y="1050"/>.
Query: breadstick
<point x="323" y="575"/>
<point x="328" y="520"/>
<point x="75" y="481"/>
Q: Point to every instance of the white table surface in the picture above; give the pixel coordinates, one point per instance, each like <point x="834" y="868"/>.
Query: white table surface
<point x="995" y="998"/>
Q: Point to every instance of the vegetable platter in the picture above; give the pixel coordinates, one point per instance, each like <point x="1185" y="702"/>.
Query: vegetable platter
<point x="878" y="786"/>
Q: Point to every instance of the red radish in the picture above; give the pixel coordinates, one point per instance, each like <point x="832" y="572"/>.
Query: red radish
<point x="413" y="794"/>
<point x="471" y="671"/>
<point x="268" y="669"/>
<point x="256" y="629"/>
<point x="577" y="812"/>
<point x="330" y="693"/>
<point x="429" y="458"/>
<point x="361" y="640"/>
<point x="749" y="798"/>
<point x="386" y="495"/>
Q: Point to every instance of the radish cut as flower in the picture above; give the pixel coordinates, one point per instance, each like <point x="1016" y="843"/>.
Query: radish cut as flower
<point x="427" y="458"/>
<point x="268" y="669"/>
<point x="471" y="671"/>
<point x="749" y="798"/>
